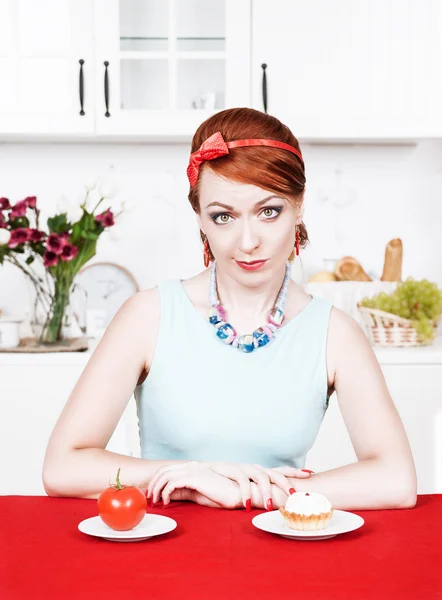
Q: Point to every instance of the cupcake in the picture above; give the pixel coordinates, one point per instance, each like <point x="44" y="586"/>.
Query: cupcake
<point x="307" y="511"/>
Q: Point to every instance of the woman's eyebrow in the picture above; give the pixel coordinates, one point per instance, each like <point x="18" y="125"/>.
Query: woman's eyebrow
<point x="263" y="201"/>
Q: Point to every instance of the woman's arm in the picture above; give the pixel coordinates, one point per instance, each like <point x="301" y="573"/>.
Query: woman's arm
<point x="76" y="462"/>
<point x="385" y="476"/>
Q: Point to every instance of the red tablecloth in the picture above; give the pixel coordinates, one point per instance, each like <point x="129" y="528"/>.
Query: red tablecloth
<point x="216" y="554"/>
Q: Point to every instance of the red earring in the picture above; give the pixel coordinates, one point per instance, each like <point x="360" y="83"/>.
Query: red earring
<point x="206" y="254"/>
<point x="297" y="242"/>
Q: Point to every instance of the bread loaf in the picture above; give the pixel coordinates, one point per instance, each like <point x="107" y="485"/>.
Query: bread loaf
<point x="323" y="276"/>
<point x="349" y="269"/>
<point x="393" y="261"/>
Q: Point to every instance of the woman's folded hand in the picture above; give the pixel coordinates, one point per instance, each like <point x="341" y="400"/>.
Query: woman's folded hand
<point x="198" y="480"/>
<point x="220" y="484"/>
<point x="244" y="474"/>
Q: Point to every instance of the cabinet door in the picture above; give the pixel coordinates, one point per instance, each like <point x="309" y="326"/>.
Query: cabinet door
<point x="41" y="46"/>
<point x="164" y="67"/>
<point x="32" y="397"/>
<point x="368" y="69"/>
<point x="416" y="391"/>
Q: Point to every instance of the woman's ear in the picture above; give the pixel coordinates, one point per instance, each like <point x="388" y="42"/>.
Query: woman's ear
<point x="198" y="219"/>
<point x="300" y="215"/>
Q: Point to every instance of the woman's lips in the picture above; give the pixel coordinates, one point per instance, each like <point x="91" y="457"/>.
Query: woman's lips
<point x="251" y="266"/>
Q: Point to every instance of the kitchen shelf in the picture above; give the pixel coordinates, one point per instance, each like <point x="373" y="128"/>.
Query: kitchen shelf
<point x="421" y="355"/>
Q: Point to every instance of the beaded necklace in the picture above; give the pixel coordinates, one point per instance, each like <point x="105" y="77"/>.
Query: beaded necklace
<point x="261" y="336"/>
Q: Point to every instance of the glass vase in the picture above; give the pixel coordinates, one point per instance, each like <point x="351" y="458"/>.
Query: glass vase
<point x="53" y="317"/>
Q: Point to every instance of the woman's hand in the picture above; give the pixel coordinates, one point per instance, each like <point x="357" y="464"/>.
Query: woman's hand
<point x="183" y="494"/>
<point x="243" y="474"/>
<point x="197" y="477"/>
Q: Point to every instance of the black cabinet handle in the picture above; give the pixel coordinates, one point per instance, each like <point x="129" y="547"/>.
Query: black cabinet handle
<point x="106" y="89"/>
<point x="264" y="86"/>
<point x="82" y="113"/>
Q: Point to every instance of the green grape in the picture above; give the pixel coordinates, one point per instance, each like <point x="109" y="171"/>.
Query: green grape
<point x="419" y="301"/>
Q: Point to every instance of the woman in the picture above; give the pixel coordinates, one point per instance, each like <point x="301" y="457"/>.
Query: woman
<point x="226" y="416"/>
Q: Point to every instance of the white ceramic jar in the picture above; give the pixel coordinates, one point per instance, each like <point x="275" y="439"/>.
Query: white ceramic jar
<point x="9" y="332"/>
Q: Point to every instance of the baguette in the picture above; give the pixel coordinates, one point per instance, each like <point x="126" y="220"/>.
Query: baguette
<point x="393" y="261"/>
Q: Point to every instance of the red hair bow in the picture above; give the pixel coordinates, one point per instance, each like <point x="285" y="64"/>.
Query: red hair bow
<point x="213" y="147"/>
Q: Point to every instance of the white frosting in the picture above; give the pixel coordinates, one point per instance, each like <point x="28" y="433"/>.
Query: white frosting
<point x="307" y="503"/>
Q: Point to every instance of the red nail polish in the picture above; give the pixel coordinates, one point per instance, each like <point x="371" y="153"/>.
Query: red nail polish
<point x="248" y="505"/>
<point x="269" y="504"/>
<point x="292" y="491"/>
<point x="307" y="471"/>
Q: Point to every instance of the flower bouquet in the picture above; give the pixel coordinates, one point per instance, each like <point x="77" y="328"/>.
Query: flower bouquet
<point x="51" y="259"/>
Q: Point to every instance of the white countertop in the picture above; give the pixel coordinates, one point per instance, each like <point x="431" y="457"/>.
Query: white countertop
<point x="424" y="355"/>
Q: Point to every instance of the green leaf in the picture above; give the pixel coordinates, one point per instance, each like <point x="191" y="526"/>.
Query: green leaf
<point x="30" y="260"/>
<point x="89" y="235"/>
<point x="58" y="224"/>
<point x="19" y="222"/>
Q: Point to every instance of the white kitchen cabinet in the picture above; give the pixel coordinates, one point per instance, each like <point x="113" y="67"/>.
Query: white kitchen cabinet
<point x="41" y="46"/>
<point x="416" y="390"/>
<point x="35" y="387"/>
<point x="365" y="70"/>
<point x="33" y="393"/>
<point x="164" y="67"/>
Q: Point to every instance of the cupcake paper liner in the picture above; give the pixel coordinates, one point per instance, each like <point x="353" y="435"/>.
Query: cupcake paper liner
<point x="304" y="522"/>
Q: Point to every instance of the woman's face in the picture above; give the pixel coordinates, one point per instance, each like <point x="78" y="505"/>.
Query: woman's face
<point x="246" y="223"/>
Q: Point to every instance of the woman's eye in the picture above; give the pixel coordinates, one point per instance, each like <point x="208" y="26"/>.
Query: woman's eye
<point x="223" y="216"/>
<point x="269" y="213"/>
<point x="267" y="210"/>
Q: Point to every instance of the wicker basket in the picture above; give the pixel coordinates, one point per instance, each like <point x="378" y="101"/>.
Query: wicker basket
<point x="391" y="331"/>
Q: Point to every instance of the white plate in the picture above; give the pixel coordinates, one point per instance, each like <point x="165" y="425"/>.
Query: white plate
<point x="341" y="522"/>
<point x="150" y="526"/>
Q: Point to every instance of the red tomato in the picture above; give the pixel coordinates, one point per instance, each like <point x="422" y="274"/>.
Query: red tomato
<point x="122" y="507"/>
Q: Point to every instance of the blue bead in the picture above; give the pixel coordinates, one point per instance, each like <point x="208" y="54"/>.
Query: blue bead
<point x="261" y="337"/>
<point x="225" y="331"/>
<point x="214" y="316"/>
<point x="245" y="343"/>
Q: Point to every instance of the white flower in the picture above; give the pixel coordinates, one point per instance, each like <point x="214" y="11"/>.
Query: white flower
<point x="92" y="200"/>
<point x="5" y="236"/>
<point x="107" y="189"/>
<point x="90" y="183"/>
<point x="74" y="213"/>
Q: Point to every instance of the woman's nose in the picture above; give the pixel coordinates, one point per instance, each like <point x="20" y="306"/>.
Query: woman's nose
<point x="248" y="239"/>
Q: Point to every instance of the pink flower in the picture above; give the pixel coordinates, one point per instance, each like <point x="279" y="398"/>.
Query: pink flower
<point x="2" y="220"/>
<point x="68" y="252"/>
<point x="55" y="243"/>
<point x="18" y="236"/>
<point x="4" y="204"/>
<point x="106" y="219"/>
<point x="31" y="201"/>
<point x="19" y="209"/>
<point x="64" y="236"/>
<point x="35" y="235"/>
<point x="50" y="259"/>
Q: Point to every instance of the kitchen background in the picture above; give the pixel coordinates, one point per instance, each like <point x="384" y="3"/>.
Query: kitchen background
<point x="359" y="84"/>
<point x="396" y="193"/>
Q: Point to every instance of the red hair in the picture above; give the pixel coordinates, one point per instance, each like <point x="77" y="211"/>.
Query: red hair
<point x="272" y="169"/>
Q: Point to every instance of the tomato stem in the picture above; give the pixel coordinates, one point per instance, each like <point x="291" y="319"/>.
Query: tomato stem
<point x="119" y="486"/>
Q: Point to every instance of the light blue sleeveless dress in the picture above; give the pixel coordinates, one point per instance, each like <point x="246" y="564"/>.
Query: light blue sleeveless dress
<point x="207" y="401"/>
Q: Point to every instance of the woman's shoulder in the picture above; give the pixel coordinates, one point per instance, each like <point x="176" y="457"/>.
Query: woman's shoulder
<point x="143" y="304"/>
<point x="346" y="340"/>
